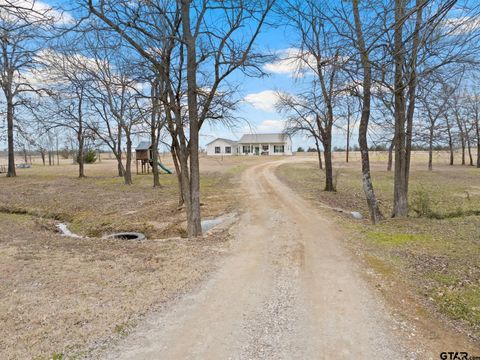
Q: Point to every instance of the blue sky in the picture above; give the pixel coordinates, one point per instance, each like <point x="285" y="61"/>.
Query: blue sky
<point x="256" y="112"/>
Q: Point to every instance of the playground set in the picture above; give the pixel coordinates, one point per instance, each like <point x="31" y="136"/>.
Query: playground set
<point x="143" y="154"/>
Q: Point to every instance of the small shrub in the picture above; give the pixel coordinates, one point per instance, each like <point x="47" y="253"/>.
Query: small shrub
<point x="422" y="203"/>
<point x="300" y="149"/>
<point x="90" y="156"/>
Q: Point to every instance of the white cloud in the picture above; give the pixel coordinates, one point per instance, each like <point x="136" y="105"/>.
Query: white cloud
<point x="34" y="11"/>
<point x="462" y="25"/>
<point x="264" y="100"/>
<point x="291" y="62"/>
<point x="266" y="126"/>
<point x="271" y="126"/>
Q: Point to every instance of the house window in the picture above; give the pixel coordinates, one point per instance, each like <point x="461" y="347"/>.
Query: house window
<point x="228" y="149"/>
<point x="217" y="149"/>
<point x="278" y="149"/>
<point x="265" y="147"/>
<point x="246" y="149"/>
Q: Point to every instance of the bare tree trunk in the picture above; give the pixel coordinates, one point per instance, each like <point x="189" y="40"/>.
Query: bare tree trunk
<point x="327" y="153"/>
<point x="185" y="185"/>
<point x="469" y="145"/>
<point x="179" y="176"/>
<point x="155" y="170"/>
<point x="42" y="154"/>
<point x="403" y="116"/>
<point x="25" y="155"/>
<point x="390" y="155"/>
<point x="153" y="135"/>
<point x="348" y="139"/>
<point x="11" y="149"/>
<point x="462" y="137"/>
<point x="412" y="90"/>
<point x="373" y="208"/>
<point x="194" y="223"/>
<point x="81" y="159"/>
<point x="430" y="148"/>
<point x="469" y="148"/>
<point x="400" y="201"/>
<point x="319" y="153"/>
<point x="477" y="128"/>
<point x="120" y="167"/>
<point x="450" y="140"/>
<point x="80" y="137"/>
<point x="127" y="174"/>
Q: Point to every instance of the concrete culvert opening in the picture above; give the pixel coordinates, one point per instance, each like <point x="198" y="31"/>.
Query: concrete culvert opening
<point x="127" y="236"/>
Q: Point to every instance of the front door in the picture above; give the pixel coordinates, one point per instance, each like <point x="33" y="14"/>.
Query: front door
<point x="257" y="150"/>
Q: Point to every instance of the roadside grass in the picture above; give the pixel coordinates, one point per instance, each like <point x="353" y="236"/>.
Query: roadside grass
<point x="67" y="298"/>
<point x="102" y="204"/>
<point x="436" y="250"/>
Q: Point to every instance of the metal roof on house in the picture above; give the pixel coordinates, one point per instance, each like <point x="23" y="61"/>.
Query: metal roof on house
<point x="231" y="142"/>
<point x="262" y="138"/>
<point x="143" y="145"/>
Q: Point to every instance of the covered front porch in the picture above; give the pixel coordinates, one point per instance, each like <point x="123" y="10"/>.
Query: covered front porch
<point x="255" y="149"/>
<point x="262" y="149"/>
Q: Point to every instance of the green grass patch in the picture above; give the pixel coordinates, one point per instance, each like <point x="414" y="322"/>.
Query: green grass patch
<point x="461" y="304"/>
<point x="121" y="329"/>
<point x="395" y="239"/>
<point x="379" y="265"/>
<point x="445" y="279"/>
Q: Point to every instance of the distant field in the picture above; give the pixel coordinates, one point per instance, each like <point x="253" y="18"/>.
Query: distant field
<point x="438" y="255"/>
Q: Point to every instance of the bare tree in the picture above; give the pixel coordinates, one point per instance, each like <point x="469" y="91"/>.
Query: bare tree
<point x="157" y="123"/>
<point x="366" y="95"/>
<point x="67" y="106"/>
<point x="433" y="100"/>
<point x="115" y="92"/>
<point x="304" y="118"/>
<point x="21" y="27"/>
<point x="320" y="63"/>
<point x="209" y="50"/>
<point x="423" y="43"/>
<point x="473" y="112"/>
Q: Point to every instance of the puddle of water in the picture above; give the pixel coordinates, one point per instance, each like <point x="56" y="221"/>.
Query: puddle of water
<point x="66" y="232"/>
<point x="224" y="220"/>
<point x="210" y="224"/>
<point x="356" y="215"/>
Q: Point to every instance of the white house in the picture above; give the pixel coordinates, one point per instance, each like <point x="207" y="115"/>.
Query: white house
<point x="222" y="147"/>
<point x="252" y="144"/>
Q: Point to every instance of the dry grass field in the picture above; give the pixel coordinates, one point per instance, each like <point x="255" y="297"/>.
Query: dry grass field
<point x="63" y="297"/>
<point x="435" y="252"/>
<point x="59" y="296"/>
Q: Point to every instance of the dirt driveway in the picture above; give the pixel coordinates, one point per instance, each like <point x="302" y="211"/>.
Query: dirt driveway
<point x="289" y="290"/>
